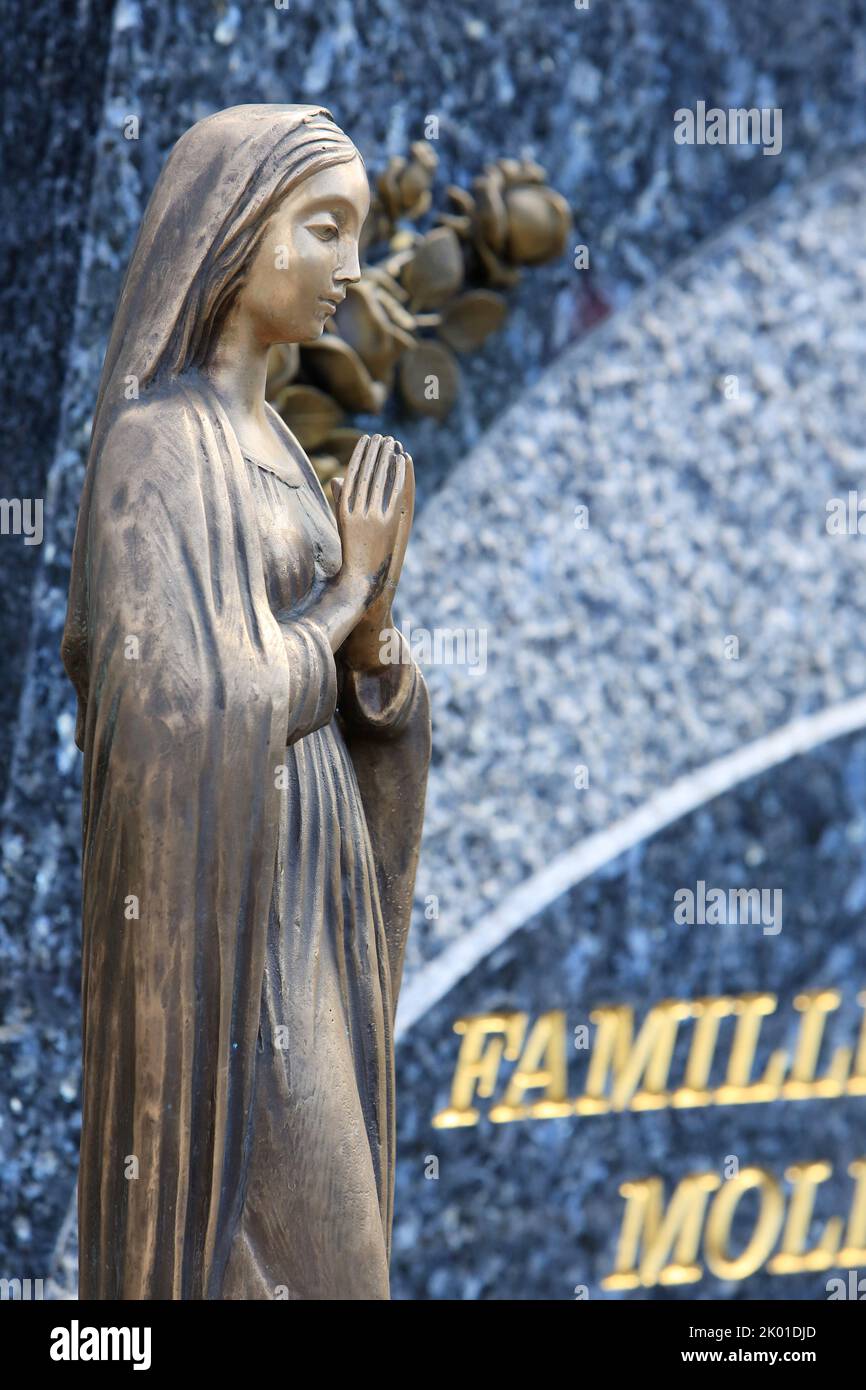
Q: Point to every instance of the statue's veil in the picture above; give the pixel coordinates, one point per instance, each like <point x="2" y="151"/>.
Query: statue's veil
<point x="220" y="178"/>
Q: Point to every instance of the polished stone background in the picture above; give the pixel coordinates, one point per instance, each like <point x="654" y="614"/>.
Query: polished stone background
<point x="531" y="1209"/>
<point x="707" y="519"/>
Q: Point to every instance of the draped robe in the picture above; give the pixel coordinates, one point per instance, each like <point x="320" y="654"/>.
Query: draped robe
<point x="202" y="705"/>
<point x="246" y="798"/>
<point x="196" y="690"/>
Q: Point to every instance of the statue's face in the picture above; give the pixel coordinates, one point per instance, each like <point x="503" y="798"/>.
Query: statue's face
<point x="307" y="256"/>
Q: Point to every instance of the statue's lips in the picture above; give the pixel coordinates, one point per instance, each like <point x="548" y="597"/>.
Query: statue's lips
<point x="329" y="303"/>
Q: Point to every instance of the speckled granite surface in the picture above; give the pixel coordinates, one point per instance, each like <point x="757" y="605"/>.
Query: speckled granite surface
<point x="607" y="647"/>
<point x="591" y="96"/>
<point x="51" y="65"/>
<point x="532" y="1209"/>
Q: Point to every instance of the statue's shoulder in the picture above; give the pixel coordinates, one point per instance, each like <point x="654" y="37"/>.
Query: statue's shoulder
<point x="150" y="448"/>
<point x="153" y="424"/>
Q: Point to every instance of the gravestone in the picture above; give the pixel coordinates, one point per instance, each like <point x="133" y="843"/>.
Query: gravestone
<point x="647" y="927"/>
<point x="616" y="427"/>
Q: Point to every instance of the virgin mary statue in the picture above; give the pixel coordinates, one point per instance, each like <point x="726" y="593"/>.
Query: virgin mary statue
<point x="254" y="773"/>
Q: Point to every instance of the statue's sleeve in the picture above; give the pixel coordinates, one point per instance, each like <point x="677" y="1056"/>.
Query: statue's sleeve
<point x="386" y="715"/>
<point x="312" y="676"/>
<point x="379" y="703"/>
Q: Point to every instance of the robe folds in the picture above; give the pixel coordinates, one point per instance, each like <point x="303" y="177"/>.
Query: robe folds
<point x="195" y="692"/>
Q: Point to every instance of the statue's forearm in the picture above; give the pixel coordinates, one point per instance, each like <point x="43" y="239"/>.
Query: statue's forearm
<point x="336" y="609"/>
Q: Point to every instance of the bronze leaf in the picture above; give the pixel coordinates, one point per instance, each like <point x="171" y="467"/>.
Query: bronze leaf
<point x="471" y="318"/>
<point x="340" y="370"/>
<point x="310" y="414"/>
<point x="429" y="378"/>
<point x="538" y="223"/>
<point x="435" y="271"/>
<point x="364" y="322"/>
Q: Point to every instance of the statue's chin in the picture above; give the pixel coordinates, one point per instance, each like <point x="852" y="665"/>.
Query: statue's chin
<point x="315" y="331"/>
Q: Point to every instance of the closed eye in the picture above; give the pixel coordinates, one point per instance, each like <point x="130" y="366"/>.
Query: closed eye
<point x="325" y="231"/>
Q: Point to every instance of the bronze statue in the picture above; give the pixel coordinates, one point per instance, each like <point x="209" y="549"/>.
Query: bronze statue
<point x="254" y="775"/>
